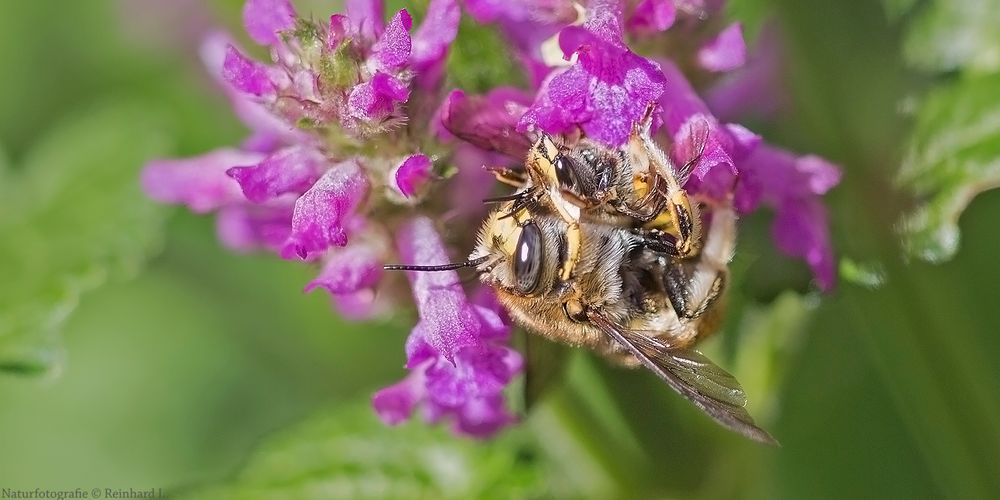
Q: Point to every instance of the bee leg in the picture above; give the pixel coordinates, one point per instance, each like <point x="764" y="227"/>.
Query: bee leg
<point x="569" y="253"/>
<point x="688" y="293"/>
<point x="687" y="221"/>
<point x="508" y="176"/>
<point x="658" y="241"/>
<point x="695" y="285"/>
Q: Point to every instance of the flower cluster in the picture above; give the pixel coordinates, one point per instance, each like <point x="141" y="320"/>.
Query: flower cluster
<point x="353" y="125"/>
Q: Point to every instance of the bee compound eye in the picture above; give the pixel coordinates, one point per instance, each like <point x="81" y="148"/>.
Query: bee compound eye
<point x="565" y="172"/>
<point x="528" y="259"/>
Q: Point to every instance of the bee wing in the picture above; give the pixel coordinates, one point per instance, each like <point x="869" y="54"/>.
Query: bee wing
<point x="692" y="149"/>
<point x="710" y="388"/>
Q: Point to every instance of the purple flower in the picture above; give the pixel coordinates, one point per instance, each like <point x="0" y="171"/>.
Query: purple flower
<point x="290" y="170"/>
<point x="652" y="16"/>
<point x="459" y="365"/>
<point x="431" y="41"/>
<point x="321" y="214"/>
<point x="488" y="122"/>
<point x="412" y="174"/>
<point x="200" y="183"/>
<point x="756" y="89"/>
<point x="247" y="228"/>
<point x="605" y="91"/>
<point x="377" y="98"/>
<point x="347" y="126"/>
<point x="365" y="18"/>
<point x="693" y="129"/>
<point x="726" y="52"/>
<point x="793" y="187"/>
<point x="265" y="18"/>
<point x="392" y="51"/>
<point x="246" y="75"/>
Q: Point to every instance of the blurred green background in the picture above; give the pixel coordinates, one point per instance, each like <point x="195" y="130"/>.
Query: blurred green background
<point x="171" y="376"/>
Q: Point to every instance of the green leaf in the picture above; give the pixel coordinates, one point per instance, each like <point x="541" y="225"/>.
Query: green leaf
<point x="895" y="9"/>
<point x="479" y="60"/>
<point x="72" y="217"/>
<point x="769" y="335"/>
<point x="870" y="275"/>
<point x="348" y="453"/>
<point x="955" y="34"/>
<point x="954" y="154"/>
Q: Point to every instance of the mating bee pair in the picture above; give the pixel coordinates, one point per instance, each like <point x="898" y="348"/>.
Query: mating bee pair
<point x="603" y="248"/>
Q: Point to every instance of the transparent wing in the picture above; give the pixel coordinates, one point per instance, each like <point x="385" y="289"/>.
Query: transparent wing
<point x="691" y="150"/>
<point x="710" y="388"/>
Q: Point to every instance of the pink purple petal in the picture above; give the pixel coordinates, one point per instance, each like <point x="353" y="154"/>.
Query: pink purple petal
<point x="489" y="122"/>
<point x="366" y="17"/>
<point x="792" y="186"/>
<point x="458" y="372"/>
<point x="652" y="16"/>
<point x="411" y="175"/>
<point x="606" y="91"/>
<point x="448" y="321"/>
<point x="246" y="75"/>
<point x="392" y="51"/>
<point x="200" y="182"/>
<point x="268" y="130"/>
<point x="395" y="404"/>
<point x="436" y="33"/>
<point x="350" y="269"/>
<point x="694" y="129"/>
<point x="726" y="52"/>
<point x="263" y="19"/>
<point x="321" y="214"/>
<point x="246" y="228"/>
<point x="757" y="89"/>
<point x="338" y="30"/>
<point x="290" y="170"/>
<point x="376" y="98"/>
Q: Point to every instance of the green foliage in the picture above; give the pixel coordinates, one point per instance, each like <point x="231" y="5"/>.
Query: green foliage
<point x="952" y="35"/>
<point x="72" y="217"/>
<point x="348" y="453"/>
<point x="479" y="59"/>
<point x="953" y="155"/>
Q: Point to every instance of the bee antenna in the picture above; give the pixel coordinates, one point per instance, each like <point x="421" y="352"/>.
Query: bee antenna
<point x="442" y="267"/>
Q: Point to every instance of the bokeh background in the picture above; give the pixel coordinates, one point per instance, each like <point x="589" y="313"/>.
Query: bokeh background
<point x="172" y="374"/>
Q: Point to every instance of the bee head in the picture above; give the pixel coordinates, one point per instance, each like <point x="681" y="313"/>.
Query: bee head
<point x="583" y="169"/>
<point x="521" y="250"/>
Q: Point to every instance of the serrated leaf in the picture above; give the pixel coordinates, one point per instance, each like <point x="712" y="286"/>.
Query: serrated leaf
<point x="71" y="217"/>
<point x="955" y="34"/>
<point x="954" y="155"/>
<point x="348" y="453"/>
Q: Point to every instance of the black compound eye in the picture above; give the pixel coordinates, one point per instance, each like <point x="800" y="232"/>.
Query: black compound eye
<point x="528" y="259"/>
<point x="565" y="172"/>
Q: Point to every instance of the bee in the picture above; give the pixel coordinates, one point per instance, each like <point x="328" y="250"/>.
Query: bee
<point x="634" y="185"/>
<point x="623" y="302"/>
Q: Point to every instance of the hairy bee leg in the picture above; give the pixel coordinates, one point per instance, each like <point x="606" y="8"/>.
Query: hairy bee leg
<point x="508" y="176"/>
<point x="691" y="303"/>
<point x="635" y="212"/>
<point x="658" y="241"/>
<point x="685" y="217"/>
<point x="570" y="254"/>
<point x="687" y="220"/>
<point x="694" y="286"/>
